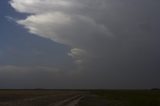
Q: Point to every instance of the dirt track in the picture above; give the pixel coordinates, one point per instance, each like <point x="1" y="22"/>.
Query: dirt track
<point x="40" y="100"/>
<point x="66" y="99"/>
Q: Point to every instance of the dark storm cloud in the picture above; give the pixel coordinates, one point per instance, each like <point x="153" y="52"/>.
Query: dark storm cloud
<point x="12" y="76"/>
<point x="114" y="43"/>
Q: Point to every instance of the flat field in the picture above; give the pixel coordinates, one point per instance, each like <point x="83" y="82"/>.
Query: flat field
<point x="33" y="97"/>
<point x="89" y="97"/>
<point x="130" y="97"/>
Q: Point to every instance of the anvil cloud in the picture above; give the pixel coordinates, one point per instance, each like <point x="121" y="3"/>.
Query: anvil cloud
<point x="57" y="20"/>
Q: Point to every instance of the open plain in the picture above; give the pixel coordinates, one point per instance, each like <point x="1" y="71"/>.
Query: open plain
<point x="79" y="98"/>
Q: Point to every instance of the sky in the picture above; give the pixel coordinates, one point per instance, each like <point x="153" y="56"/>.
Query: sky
<point x="84" y="44"/>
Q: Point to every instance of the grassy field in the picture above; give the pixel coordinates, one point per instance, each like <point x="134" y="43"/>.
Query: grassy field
<point x="33" y="97"/>
<point x="12" y="95"/>
<point x="113" y="97"/>
<point x="130" y="97"/>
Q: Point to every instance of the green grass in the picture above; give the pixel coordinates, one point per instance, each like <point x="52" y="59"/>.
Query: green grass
<point x="130" y="97"/>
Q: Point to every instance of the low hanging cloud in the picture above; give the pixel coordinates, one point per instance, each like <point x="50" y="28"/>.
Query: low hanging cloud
<point x="13" y="76"/>
<point x="114" y="41"/>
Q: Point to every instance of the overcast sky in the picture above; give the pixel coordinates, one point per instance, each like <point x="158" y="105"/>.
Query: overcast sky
<point x="79" y="44"/>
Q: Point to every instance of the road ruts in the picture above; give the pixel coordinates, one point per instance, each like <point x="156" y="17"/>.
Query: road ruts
<point x="40" y="101"/>
<point x="73" y="101"/>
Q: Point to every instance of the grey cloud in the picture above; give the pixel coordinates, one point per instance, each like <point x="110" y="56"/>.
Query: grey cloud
<point x="12" y="76"/>
<point x="119" y="39"/>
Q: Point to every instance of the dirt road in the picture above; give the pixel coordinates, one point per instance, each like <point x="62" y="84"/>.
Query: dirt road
<point x="73" y="101"/>
<point x="65" y="99"/>
<point x="52" y="100"/>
